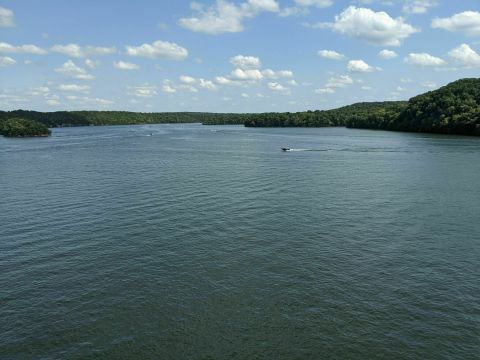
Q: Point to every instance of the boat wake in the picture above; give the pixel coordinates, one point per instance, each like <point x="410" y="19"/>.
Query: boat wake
<point x="296" y="150"/>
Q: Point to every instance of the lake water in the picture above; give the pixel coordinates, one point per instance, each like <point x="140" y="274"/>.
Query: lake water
<point x="196" y="242"/>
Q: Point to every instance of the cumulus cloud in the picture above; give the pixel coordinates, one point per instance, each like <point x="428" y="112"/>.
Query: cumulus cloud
<point x="429" y="84"/>
<point x="85" y="100"/>
<point x="77" y="51"/>
<point x="145" y="90"/>
<point x="92" y="64"/>
<point x="222" y="80"/>
<point x="330" y="54"/>
<point x="224" y="16"/>
<point x="359" y="66"/>
<point x="70" y="69"/>
<point x="464" y="55"/>
<point x="418" y="6"/>
<point x="74" y="88"/>
<point x="6" y="61"/>
<point x="187" y="79"/>
<point x="41" y="90"/>
<point x="190" y="82"/>
<point x="249" y="74"/>
<point x="6" y="17"/>
<point x="316" y="3"/>
<point x="324" y="91"/>
<point x="423" y="59"/>
<point x="467" y="22"/>
<point x="168" y="88"/>
<point x="339" y="82"/>
<point x="122" y="65"/>
<point x="301" y="7"/>
<point x="279" y="88"/>
<point x="270" y="74"/>
<point x="387" y="54"/>
<point x="22" y="49"/>
<point x="377" y="28"/>
<point x="246" y="62"/>
<point x="158" y="50"/>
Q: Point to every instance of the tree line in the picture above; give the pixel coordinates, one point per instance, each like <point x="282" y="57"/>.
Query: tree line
<point x="452" y="109"/>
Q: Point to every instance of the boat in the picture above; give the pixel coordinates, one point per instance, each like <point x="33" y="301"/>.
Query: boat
<point x="285" y="149"/>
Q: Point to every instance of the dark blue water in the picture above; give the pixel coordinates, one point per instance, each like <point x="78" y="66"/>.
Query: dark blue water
<point x="194" y="242"/>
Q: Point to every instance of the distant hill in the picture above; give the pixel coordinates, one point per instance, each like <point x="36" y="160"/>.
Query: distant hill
<point x="17" y="127"/>
<point x="452" y="109"/>
<point x="323" y="118"/>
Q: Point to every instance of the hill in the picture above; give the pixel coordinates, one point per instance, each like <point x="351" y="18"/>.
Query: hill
<point x="17" y="127"/>
<point x="452" y="109"/>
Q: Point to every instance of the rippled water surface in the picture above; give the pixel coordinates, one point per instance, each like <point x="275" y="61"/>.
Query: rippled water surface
<point x="195" y="242"/>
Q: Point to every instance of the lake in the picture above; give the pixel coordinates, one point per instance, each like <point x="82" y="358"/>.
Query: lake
<point x="209" y="242"/>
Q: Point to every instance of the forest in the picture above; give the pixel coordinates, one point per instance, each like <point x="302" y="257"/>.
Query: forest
<point x="452" y="109"/>
<point x="17" y="127"/>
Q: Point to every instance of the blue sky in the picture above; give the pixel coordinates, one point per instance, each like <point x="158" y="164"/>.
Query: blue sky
<point x="230" y="55"/>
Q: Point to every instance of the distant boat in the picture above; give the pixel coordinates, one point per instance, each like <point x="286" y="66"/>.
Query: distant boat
<point x="285" y="149"/>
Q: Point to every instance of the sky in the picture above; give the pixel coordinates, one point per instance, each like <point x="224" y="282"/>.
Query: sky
<point x="230" y="55"/>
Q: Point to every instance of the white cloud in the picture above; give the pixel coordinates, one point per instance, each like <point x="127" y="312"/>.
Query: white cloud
<point x="168" y="88"/>
<point x="387" y="54"/>
<point x="53" y="102"/>
<point x="6" y="61"/>
<point x="418" y="6"/>
<point x="145" y="90"/>
<point x="366" y="88"/>
<point x="42" y="90"/>
<point x="122" y="65"/>
<point x="292" y="82"/>
<point x="270" y="74"/>
<point x="159" y="49"/>
<point x="74" y="88"/>
<point x="252" y="74"/>
<point x="206" y="84"/>
<point x="77" y="51"/>
<point x="301" y="7"/>
<point x="222" y="80"/>
<point x="226" y="16"/>
<point x="324" y="91"/>
<point x="359" y="66"/>
<point x="187" y="79"/>
<point x="190" y="88"/>
<point x="330" y="54"/>
<point x="406" y="80"/>
<point x="276" y="87"/>
<point x="377" y="28"/>
<point x="22" y="49"/>
<point x="245" y="95"/>
<point x="429" y="84"/>
<point x="339" y="82"/>
<point x="92" y="64"/>
<point x="70" y="69"/>
<point x="465" y="56"/>
<point x="246" y="62"/>
<point x="189" y="82"/>
<point x="97" y="101"/>
<point x="316" y="3"/>
<point x="400" y="89"/>
<point x="467" y="22"/>
<point x="294" y="10"/>
<point x="423" y="59"/>
<point x="6" y="17"/>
